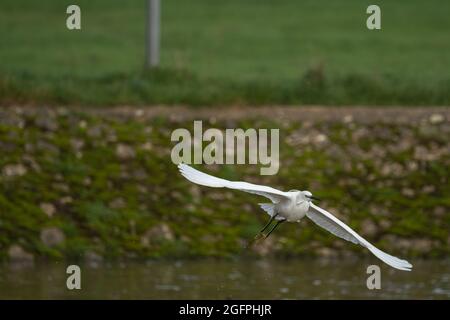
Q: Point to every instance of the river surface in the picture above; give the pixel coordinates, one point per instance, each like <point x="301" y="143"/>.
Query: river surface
<point x="237" y="279"/>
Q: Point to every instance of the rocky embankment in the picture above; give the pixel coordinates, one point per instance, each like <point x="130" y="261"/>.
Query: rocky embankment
<point x="99" y="184"/>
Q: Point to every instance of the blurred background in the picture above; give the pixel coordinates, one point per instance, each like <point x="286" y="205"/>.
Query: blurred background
<point x="240" y="52"/>
<point x="85" y="169"/>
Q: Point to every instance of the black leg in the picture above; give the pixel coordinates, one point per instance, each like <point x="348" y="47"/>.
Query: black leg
<point x="274" y="227"/>
<point x="268" y="223"/>
<point x="260" y="234"/>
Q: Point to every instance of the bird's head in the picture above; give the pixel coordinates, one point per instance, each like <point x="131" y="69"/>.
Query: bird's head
<point x="308" y="195"/>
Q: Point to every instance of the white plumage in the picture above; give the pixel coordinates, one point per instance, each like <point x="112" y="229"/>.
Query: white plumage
<point x="293" y="206"/>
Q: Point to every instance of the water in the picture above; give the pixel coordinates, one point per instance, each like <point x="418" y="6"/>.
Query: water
<point x="241" y="279"/>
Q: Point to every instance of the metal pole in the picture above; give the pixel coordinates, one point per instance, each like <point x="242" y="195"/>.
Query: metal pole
<point x="152" y="34"/>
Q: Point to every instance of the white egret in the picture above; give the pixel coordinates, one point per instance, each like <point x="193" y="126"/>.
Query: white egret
<point x="292" y="206"/>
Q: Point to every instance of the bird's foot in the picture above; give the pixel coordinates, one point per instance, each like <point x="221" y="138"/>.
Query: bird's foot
<point x="258" y="237"/>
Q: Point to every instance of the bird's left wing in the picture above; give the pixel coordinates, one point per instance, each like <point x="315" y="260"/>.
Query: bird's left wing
<point x="329" y="222"/>
<point x="204" y="179"/>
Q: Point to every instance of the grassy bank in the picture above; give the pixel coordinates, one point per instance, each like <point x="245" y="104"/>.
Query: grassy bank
<point x="174" y="87"/>
<point x="237" y="52"/>
<point x="81" y="184"/>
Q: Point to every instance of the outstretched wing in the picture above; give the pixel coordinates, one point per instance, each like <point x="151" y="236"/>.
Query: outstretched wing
<point x="204" y="179"/>
<point x="329" y="222"/>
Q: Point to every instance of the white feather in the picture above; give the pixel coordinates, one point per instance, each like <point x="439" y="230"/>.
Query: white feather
<point x="282" y="200"/>
<point x="207" y="180"/>
<point x="329" y="222"/>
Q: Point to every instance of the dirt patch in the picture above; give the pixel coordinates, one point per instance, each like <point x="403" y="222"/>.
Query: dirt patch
<point x="306" y="113"/>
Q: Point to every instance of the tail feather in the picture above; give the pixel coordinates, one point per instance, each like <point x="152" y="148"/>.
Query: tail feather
<point x="269" y="208"/>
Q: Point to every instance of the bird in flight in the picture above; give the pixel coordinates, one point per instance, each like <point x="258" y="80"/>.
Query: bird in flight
<point x="292" y="206"/>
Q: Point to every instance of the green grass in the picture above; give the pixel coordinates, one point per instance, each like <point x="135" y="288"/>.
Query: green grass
<point x="245" y="52"/>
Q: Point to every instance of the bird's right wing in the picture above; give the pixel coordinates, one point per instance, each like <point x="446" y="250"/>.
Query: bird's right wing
<point x="204" y="179"/>
<point x="329" y="222"/>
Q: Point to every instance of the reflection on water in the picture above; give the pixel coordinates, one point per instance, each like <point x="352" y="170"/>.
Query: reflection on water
<point x="241" y="279"/>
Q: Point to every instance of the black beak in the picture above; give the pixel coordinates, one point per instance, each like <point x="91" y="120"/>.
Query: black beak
<point x="314" y="198"/>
